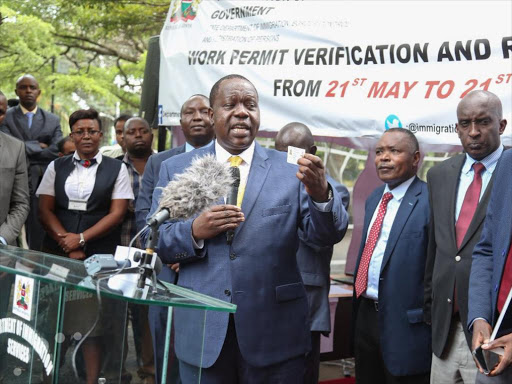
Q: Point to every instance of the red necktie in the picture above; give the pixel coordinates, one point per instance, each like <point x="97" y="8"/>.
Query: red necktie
<point x="506" y="281"/>
<point x="362" y="272"/>
<point x="470" y="203"/>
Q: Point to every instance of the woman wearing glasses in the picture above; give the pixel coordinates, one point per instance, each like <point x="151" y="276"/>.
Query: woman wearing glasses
<point x="82" y="201"/>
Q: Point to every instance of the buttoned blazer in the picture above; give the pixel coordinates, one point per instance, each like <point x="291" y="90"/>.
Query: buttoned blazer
<point x="14" y="198"/>
<point x="446" y="263"/>
<point x="490" y="253"/>
<point x="258" y="272"/>
<point x="45" y="129"/>
<point x="404" y="336"/>
<point x="315" y="267"/>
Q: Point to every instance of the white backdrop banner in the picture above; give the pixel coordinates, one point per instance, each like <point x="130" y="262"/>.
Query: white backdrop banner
<point x="344" y="68"/>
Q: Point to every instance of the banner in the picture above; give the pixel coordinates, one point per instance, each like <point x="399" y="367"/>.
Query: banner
<point x="344" y="68"/>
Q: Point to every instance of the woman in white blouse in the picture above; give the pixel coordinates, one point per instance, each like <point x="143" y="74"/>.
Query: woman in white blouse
<point x="82" y="202"/>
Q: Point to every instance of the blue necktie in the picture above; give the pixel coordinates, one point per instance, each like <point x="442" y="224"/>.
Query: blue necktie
<point x="30" y="116"/>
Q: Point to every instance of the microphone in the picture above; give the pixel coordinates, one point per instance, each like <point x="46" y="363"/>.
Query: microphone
<point x="232" y="198"/>
<point x="204" y="182"/>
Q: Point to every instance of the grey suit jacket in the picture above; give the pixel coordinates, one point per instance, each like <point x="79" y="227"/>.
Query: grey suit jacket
<point x="14" y="199"/>
<point x="444" y="268"/>
<point x="315" y="267"/>
<point x="45" y="129"/>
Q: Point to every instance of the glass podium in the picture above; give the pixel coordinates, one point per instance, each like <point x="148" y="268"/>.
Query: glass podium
<point x="59" y="325"/>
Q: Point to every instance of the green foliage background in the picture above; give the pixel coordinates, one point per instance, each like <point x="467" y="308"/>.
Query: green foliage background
<point x="84" y="52"/>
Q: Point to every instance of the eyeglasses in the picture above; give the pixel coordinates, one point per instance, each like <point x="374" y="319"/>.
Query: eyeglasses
<point x="80" y="133"/>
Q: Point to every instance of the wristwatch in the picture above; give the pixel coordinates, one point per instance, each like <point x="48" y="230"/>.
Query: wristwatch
<point x="82" y="240"/>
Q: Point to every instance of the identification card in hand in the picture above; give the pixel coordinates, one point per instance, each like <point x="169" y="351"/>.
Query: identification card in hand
<point x="294" y="154"/>
<point x="77" y="205"/>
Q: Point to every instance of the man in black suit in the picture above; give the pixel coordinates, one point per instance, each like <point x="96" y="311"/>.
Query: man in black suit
<point x="197" y="125"/>
<point x="314" y="262"/>
<point x="459" y="191"/>
<point x="40" y="130"/>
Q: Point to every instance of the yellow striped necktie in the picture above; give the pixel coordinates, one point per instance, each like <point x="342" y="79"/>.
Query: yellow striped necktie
<point x="235" y="161"/>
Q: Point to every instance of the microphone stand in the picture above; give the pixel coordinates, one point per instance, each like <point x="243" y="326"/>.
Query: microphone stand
<point x="144" y="269"/>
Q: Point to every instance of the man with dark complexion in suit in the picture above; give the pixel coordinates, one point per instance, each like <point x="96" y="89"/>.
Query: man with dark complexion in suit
<point x="40" y="130"/>
<point x="197" y="125"/>
<point x="314" y="262"/>
<point x="459" y="191"/>
<point x="392" y="343"/>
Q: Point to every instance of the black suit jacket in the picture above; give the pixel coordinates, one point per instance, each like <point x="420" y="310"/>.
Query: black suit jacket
<point x="447" y="264"/>
<point x="45" y="129"/>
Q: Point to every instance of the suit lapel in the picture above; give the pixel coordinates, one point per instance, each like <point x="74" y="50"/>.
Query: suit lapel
<point x="407" y="205"/>
<point x="21" y="124"/>
<point x="452" y="186"/>
<point x="257" y="175"/>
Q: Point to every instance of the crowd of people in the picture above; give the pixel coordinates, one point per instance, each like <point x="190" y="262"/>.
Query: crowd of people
<point x="432" y="275"/>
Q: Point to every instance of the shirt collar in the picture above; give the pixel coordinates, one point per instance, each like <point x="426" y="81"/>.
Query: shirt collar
<point x="25" y="110"/>
<point x="489" y="161"/>
<point x="223" y="155"/>
<point x="400" y="191"/>
<point x="129" y="162"/>
<point x="98" y="157"/>
<point x="189" y="147"/>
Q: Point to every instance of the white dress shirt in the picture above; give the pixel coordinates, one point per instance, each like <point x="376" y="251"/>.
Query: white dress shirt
<point x="372" y="290"/>
<point x="80" y="182"/>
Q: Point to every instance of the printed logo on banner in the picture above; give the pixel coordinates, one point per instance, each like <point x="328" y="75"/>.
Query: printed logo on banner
<point x="392" y="121"/>
<point x="184" y="10"/>
<point x="23" y="293"/>
<point x="160" y="114"/>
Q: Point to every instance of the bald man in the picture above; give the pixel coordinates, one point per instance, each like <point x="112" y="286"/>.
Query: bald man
<point x="314" y="262"/>
<point x="40" y="130"/>
<point x="459" y="191"/>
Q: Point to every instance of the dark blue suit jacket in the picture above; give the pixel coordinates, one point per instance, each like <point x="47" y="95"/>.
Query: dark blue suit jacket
<point x="315" y="268"/>
<point x="258" y="271"/>
<point x="404" y="336"/>
<point x="491" y="251"/>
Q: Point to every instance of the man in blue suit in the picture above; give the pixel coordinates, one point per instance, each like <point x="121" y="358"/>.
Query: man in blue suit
<point x="268" y="336"/>
<point x="491" y="275"/>
<point x="392" y="343"/>
<point x="314" y="262"/>
<point x="197" y="125"/>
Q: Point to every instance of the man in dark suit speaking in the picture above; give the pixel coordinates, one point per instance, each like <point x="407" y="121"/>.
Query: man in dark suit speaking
<point x="40" y="130"/>
<point x="459" y="190"/>
<point x="392" y="343"/>
<point x="267" y="337"/>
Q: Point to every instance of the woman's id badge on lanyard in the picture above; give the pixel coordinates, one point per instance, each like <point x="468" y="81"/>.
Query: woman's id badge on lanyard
<point x="77" y="205"/>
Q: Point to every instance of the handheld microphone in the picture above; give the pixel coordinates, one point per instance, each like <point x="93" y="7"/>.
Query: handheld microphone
<point x="232" y="198"/>
<point x="204" y="182"/>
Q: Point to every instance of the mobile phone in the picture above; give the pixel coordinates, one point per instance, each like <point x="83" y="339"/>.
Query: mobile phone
<point x="487" y="359"/>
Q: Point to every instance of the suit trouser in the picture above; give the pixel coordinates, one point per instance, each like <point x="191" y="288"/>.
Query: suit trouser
<point x="370" y="366"/>
<point x="231" y="367"/>
<point x="312" y="366"/>
<point x="456" y="364"/>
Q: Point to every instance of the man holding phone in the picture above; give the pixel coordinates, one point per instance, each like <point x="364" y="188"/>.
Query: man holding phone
<point x="491" y="280"/>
